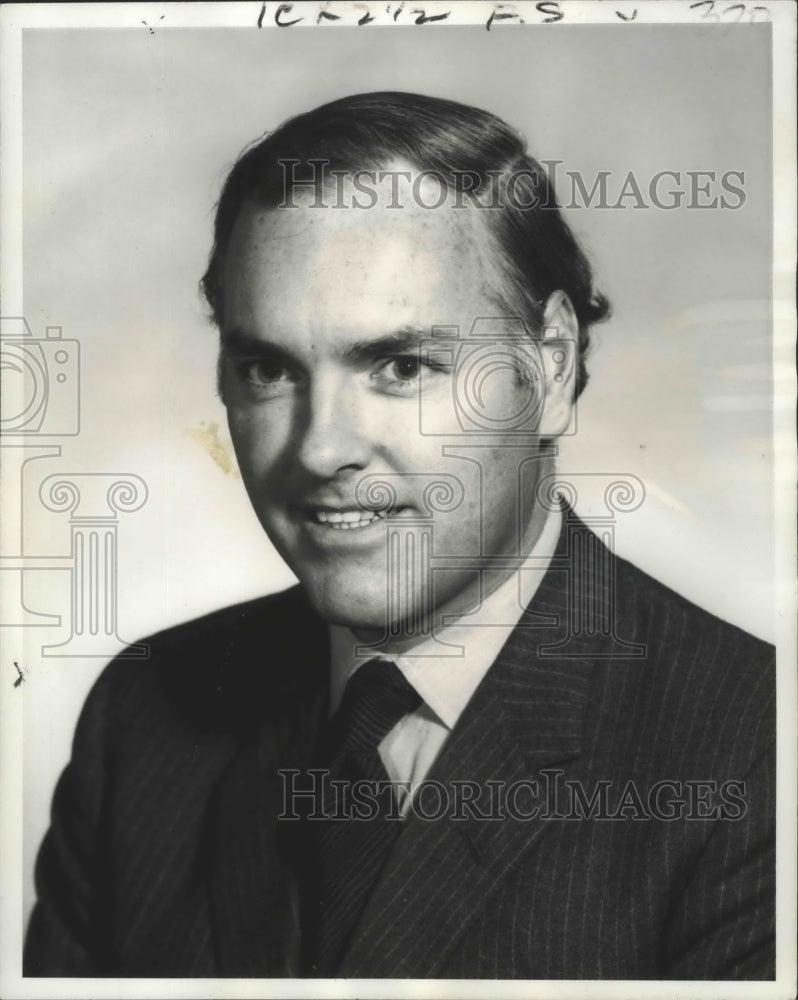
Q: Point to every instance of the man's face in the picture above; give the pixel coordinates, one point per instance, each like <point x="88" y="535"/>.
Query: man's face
<point x="320" y="373"/>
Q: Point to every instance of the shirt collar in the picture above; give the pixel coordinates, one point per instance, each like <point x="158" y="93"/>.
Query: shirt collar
<point x="447" y="682"/>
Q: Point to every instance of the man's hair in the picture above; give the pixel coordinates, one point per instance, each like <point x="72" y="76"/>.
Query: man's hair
<point x="459" y="144"/>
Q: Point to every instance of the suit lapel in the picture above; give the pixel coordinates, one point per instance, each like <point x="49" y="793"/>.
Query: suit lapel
<point x="525" y="718"/>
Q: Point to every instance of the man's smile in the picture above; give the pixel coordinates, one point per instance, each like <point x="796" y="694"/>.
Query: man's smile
<point x="345" y="520"/>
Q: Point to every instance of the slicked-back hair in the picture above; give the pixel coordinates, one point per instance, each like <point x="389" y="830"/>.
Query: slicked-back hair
<point x="466" y="148"/>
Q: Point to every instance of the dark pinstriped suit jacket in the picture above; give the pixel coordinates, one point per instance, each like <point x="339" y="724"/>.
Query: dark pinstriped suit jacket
<point x="165" y="856"/>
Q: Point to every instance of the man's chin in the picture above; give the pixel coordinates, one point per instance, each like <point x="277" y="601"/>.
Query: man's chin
<point x="360" y="613"/>
<point x="370" y="623"/>
<point x="361" y="603"/>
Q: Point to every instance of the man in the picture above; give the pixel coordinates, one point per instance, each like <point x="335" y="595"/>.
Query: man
<point x="472" y="743"/>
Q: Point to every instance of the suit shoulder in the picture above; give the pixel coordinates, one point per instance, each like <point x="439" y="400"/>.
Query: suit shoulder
<point x="274" y="612"/>
<point x="701" y="670"/>
<point x="671" y="613"/>
<point x="221" y="669"/>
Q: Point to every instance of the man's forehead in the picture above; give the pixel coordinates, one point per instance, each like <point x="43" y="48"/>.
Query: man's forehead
<point x="378" y="267"/>
<point x="395" y="208"/>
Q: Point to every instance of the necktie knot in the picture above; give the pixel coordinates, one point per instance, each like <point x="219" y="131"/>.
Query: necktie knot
<point x="376" y="697"/>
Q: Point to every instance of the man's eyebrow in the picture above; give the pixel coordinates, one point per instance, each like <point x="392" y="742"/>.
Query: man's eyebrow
<point x="243" y="344"/>
<point x="409" y="338"/>
<point x="405" y="339"/>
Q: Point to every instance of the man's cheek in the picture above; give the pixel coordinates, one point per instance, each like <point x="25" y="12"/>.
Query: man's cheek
<point x="256" y="442"/>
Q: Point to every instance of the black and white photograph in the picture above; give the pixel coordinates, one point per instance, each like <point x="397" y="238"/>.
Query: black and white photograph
<point x="398" y="499"/>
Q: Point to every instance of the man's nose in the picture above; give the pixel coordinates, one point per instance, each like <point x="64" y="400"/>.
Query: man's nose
<point x="334" y="435"/>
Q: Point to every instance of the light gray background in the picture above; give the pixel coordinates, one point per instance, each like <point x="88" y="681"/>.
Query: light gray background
<point x="127" y="136"/>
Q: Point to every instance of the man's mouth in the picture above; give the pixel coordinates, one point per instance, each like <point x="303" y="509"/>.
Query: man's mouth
<point x="347" y="520"/>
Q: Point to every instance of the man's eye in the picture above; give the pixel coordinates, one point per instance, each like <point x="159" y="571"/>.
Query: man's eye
<point x="405" y="369"/>
<point x="399" y="373"/>
<point x="403" y="374"/>
<point x="262" y="373"/>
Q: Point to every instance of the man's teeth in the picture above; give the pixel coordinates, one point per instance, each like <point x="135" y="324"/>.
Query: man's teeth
<point x="347" y="519"/>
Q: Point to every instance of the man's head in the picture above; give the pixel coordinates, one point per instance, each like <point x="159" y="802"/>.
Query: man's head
<point x="342" y="241"/>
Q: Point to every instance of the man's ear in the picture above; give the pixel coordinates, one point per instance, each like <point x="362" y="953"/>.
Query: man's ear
<point x="559" y="349"/>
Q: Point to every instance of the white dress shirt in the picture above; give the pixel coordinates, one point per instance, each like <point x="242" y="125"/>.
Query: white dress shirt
<point x="445" y="683"/>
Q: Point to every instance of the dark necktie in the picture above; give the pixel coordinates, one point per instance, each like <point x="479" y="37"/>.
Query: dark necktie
<point x="352" y="851"/>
